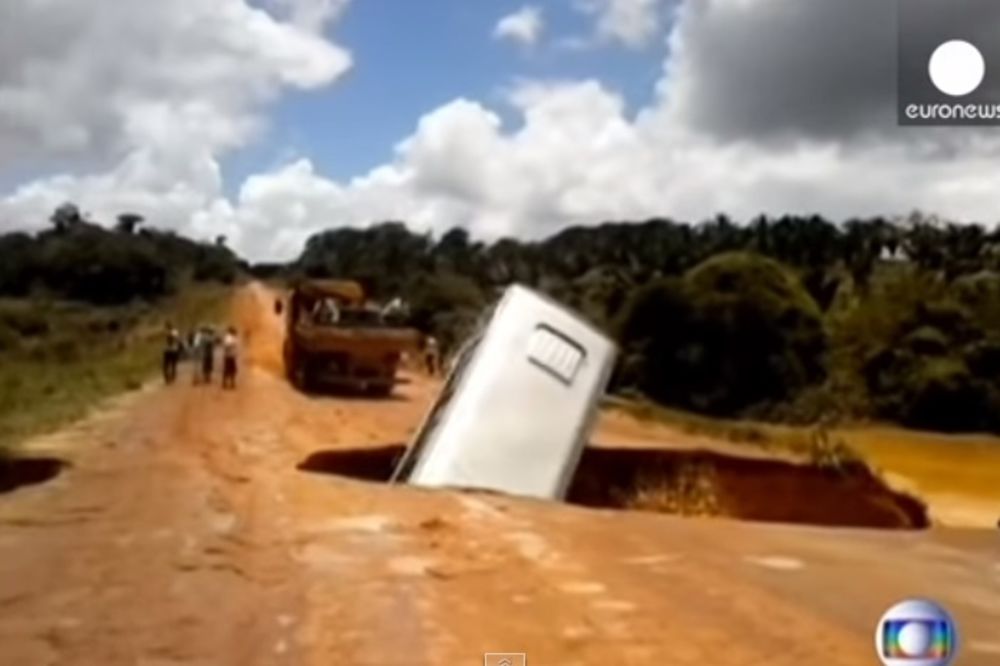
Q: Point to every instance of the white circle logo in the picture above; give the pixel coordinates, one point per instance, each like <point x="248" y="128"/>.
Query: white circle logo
<point x="916" y="632"/>
<point x="957" y="68"/>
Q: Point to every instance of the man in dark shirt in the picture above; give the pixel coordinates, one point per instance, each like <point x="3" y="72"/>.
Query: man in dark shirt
<point x="207" y="352"/>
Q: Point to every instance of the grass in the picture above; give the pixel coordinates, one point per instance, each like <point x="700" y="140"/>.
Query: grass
<point x="763" y="435"/>
<point x="58" y="360"/>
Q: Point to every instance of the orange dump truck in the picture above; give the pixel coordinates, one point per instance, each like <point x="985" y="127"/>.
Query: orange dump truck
<point x="335" y="339"/>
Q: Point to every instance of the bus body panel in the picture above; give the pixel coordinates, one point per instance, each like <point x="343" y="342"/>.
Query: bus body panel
<point x="517" y="409"/>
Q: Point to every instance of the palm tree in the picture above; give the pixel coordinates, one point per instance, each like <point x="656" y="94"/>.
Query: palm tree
<point x="66" y="217"/>
<point x="129" y="222"/>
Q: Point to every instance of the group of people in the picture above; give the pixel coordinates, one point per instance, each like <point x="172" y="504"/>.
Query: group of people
<point x="200" y="347"/>
<point x="328" y="312"/>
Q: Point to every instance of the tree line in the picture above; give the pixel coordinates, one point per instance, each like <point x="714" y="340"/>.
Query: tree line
<point x="77" y="259"/>
<point x="790" y="318"/>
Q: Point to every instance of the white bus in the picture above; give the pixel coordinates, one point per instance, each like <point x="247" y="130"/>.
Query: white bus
<point x="518" y="405"/>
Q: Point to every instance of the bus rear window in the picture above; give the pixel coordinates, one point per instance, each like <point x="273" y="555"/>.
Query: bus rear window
<point x="555" y="353"/>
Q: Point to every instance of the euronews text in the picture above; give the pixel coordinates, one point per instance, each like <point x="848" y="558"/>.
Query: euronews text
<point x="953" y="111"/>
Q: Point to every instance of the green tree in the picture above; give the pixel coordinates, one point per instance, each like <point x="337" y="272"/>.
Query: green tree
<point x="66" y="217"/>
<point x="17" y="264"/>
<point x="735" y="332"/>
<point x="128" y="223"/>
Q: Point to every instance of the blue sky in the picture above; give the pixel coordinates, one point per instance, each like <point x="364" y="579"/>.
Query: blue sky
<point x="412" y="57"/>
<point x="772" y="103"/>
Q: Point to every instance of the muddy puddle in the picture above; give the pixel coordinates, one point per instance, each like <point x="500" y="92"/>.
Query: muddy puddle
<point x="20" y="472"/>
<point x="697" y="482"/>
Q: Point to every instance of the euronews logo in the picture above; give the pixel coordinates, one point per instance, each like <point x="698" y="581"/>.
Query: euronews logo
<point x="949" y="73"/>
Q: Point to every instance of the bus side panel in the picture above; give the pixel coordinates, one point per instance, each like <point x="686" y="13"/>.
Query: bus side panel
<point x="514" y="426"/>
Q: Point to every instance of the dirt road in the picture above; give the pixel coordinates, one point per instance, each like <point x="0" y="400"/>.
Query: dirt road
<point x="184" y="534"/>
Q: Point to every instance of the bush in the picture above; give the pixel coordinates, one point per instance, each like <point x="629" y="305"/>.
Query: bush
<point x="941" y="394"/>
<point x="980" y="294"/>
<point x="85" y="262"/>
<point x="93" y="265"/>
<point x="954" y="321"/>
<point x="9" y="339"/>
<point x="599" y="294"/>
<point x="16" y="263"/>
<point x="215" y="264"/>
<point x="447" y="306"/>
<point x="927" y="340"/>
<point x="983" y="358"/>
<point x="737" y="331"/>
<point x="25" y="318"/>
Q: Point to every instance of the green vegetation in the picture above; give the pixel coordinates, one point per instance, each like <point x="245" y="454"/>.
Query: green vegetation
<point x="59" y="359"/>
<point x="793" y="320"/>
<point x="82" y="312"/>
<point x="789" y="320"/>
<point x="81" y="261"/>
<point x="763" y="435"/>
<point x="736" y="331"/>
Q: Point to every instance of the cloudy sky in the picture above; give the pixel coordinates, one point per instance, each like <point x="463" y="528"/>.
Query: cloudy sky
<point x="266" y="120"/>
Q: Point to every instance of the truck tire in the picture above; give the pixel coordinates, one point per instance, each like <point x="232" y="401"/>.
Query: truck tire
<point x="308" y="381"/>
<point x="289" y="361"/>
<point x="301" y="378"/>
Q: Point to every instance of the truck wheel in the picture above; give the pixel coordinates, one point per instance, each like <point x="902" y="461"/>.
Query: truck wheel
<point x="289" y="360"/>
<point x="301" y="378"/>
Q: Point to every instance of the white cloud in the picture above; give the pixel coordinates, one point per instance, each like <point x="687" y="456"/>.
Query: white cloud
<point x="632" y="23"/>
<point x="577" y="156"/>
<point x="524" y="26"/>
<point x="161" y="89"/>
<point x="311" y="15"/>
<point x="88" y="79"/>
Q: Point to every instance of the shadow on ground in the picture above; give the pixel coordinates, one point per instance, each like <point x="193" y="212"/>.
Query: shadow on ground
<point x="368" y="464"/>
<point x="320" y="390"/>
<point x="697" y="482"/>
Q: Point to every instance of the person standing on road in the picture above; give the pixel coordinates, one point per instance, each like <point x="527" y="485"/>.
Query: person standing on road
<point x="229" y="358"/>
<point x="171" y="354"/>
<point x="431" y="355"/>
<point x="194" y="354"/>
<point x="207" y="354"/>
